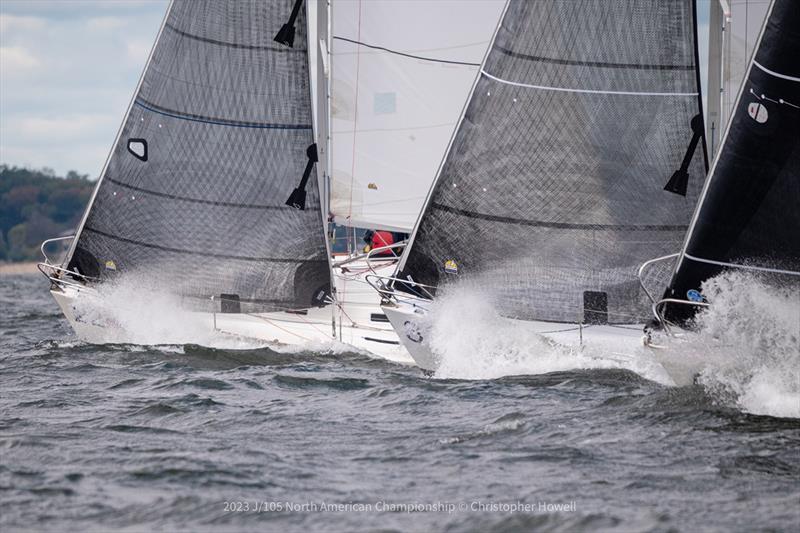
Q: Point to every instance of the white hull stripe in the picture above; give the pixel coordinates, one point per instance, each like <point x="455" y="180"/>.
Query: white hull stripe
<point x="590" y="91"/>
<point x="776" y="74"/>
<point x="744" y="267"/>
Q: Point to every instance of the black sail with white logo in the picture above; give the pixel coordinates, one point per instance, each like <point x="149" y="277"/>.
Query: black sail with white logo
<point x="749" y="215"/>
<point x="553" y="189"/>
<point x="194" y="195"/>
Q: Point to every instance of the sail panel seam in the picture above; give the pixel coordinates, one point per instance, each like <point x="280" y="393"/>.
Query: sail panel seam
<point x="585" y="91"/>
<point x="744" y="267"/>
<point x="776" y="74"/>
<point x="141" y="102"/>
<point x="204" y="254"/>
<point x="232" y="45"/>
<point x="557" y="225"/>
<point x="201" y="201"/>
<point x="403" y="54"/>
<point x="599" y="64"/>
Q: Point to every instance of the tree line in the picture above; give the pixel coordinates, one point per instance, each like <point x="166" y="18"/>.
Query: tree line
<point x="36" y="205"/>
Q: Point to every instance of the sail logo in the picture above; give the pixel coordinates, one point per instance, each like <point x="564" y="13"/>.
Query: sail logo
<point x="451" y="267"/>
<point x="758" y="112"/>
<point x="412" y="331"/>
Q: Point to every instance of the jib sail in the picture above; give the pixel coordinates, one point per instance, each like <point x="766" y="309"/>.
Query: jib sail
<point x="217" y="139"/>
<point x="749" y="214"/>
<point x="580" y="156"/>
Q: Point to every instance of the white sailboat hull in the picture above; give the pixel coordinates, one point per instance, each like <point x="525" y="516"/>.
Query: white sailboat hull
<point x="623" y="341"/>
<point x="357" y="320"/>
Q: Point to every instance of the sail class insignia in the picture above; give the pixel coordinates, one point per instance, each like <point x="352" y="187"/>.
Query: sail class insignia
<point x="451" y="267"/>
<point x="758" y="112"/>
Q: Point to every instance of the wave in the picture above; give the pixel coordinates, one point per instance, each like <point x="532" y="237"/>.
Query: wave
<point x="748" y="343"/>
<point x="473" y="341"/>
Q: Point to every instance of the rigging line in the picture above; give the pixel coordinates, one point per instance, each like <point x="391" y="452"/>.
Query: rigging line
<point x="271" y="323"/>
<point x="744" y="267"/>
<point x="351" y="244"/>
<point x="355" y="123"/>
<point x="310" y="323"/>
<point x="776" y="74"/>
<point x="141" y="102"/>
<point x="201" y="201"/>
<point x="203" y="253"/>
<point x="412" y="56"/>
<point x="590" y="91"/>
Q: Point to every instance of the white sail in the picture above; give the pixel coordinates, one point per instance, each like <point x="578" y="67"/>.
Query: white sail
<point x="735" y="25"/>
<point x="401" y="73"/>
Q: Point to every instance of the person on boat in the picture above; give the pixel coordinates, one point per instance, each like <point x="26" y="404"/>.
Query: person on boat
<point x="379" y="239"/>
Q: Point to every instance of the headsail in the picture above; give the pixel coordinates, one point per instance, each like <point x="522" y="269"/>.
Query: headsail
<point x="401" y="73"/>
<point x="218" y="136"/>
<point x="552" y="192"/>
<point x="749" y="214"/>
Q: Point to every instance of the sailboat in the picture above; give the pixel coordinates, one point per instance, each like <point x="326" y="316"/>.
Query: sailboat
<point x="580" y="155"/>
<point x="747" y="218"/>
<point x="217" y="188"/>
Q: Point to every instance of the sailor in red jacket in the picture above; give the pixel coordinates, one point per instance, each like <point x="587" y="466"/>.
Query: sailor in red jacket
<point x="379" y="239"/>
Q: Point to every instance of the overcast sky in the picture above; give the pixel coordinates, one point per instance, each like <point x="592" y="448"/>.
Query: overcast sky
<point x="68" y="69"/>
<point x="67" y="72"/>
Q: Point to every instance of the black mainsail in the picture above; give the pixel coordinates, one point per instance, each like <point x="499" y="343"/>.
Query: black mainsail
<point x="749" y="214"/>
<point x="219" y="134"/>
<point x="553" y="189"/>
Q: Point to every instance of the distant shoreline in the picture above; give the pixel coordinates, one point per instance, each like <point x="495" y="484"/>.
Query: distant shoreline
<point x="11" y="269"/>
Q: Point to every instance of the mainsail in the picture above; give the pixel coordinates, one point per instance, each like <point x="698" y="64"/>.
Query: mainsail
<point x="401" y="73"/>
<point x="553" y="189"/>
<point x="219" y="134"/>
<point x="749" y="214"/>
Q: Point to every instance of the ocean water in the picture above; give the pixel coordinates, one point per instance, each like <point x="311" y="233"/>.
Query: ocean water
<point x="507" y="436"/>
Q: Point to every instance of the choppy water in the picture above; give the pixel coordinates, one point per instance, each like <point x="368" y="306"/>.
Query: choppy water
<point x="183" y="437"/>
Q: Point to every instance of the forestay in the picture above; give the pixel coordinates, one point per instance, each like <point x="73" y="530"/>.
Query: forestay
<point x="401" y="73"/>
<point x="748" y="217"/>
<point x="193" y="196"/>
<point x="553" y="190"/>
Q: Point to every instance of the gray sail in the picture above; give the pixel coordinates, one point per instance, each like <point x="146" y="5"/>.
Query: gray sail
<point x="579" y="157"/>
<point x="218" y="137"/>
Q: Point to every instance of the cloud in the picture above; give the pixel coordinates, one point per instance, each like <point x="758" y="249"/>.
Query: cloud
<point x="75" y="126"/>
<point x="105" y="23"/>
<point x="16" y="58"/>
<point x="15" y="22"/>
<point x="138" y="50"/>
<point x="68" y="71"/>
